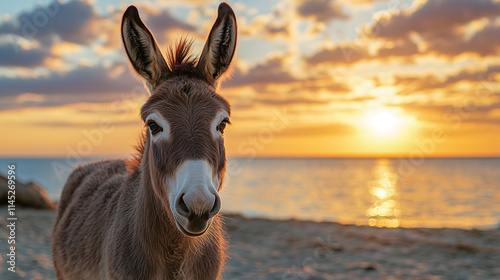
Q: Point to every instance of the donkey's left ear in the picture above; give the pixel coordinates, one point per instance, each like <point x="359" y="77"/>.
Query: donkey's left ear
<point x="220" y="46"/>
<point x="142" y="49"/>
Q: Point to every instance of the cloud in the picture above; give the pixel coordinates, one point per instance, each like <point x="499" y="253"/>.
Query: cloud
<point x="321" y="10"/>
<point x="484" y="42"/>
<point x="79" y="23"/>
<point x="412" y="84"/>
<point x="269" y="83"/>
<point x="267" y="29"/>
<point x="401" y="48"/>
<point x="15" y="55"/>
<point x="269" y="72"/>
<point x="477" y="76"/>
<point x="443" y="26"/>
<point x="345" y="53"/>
<point x="364" y="2"/>
<point x="68" y="124"/>
<point x="432" y="16"/>
<point x="80" y="81"/>
<point x="287" y="19"/>
<point x="161" y="22"/>
<point x="272" y="73"/>
<point x="319" y="130"/>
<point x="351" y="53"/>
<point x="82" y="85"/>
<point x="416" y="83"/>
<point x="290" y="101"/>
<point x="453" y="114"/>
<point x="72" y="21"/>
<point x="34" y="33"/>
<point x="269" y="26"/>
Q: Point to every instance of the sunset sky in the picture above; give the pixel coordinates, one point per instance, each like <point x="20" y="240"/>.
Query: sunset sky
<point x="311" y="78"/>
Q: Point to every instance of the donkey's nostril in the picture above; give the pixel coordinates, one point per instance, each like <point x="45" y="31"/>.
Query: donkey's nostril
<point x="182" y="208"/>
<point x="216" y="208"/>
<point x="193" y="205"/>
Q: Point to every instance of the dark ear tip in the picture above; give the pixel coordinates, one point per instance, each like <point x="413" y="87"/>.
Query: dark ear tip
<point x="224" y="8"/>
<point x="131" y="11"/>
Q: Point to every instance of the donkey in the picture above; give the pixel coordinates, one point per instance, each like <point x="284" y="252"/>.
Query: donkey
<point x="155" y="216"/>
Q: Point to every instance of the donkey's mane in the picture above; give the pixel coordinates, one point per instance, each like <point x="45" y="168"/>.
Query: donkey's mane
<point x="134" y="163"/>
<point x="180" y="60"/>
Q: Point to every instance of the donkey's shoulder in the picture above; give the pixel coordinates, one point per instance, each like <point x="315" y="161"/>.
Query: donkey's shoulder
<point x="90" y="176"/>
<point x="105" y="169"/>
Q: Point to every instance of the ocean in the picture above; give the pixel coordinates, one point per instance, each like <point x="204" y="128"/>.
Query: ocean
<point x="438" y="192"/>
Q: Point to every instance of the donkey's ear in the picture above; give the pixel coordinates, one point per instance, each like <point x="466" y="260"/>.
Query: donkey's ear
<point x="220" y="46"/>
<point x="142" y="49"/>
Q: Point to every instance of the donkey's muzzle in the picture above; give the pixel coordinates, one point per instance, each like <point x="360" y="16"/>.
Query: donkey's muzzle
<point x="197" y="211"/>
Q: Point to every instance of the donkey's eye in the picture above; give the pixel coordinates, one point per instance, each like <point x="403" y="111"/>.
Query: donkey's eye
<point x="222" y="125"/>
<point x="154" y="127"/>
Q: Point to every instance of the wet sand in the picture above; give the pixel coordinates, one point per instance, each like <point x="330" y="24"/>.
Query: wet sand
<point x="266" y="249"/>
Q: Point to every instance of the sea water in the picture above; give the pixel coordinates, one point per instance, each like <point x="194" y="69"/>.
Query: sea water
<point x="448" y="192"/>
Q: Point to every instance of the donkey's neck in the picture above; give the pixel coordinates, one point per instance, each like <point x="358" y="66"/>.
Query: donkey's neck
<point x="162" y="243"/>
<point x="162" y="247"/>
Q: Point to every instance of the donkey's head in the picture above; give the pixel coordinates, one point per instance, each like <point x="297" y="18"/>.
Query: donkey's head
<point x="184" y="146"/>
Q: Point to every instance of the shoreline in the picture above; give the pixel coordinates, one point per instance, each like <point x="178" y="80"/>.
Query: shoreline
<point x="292" y="249"/>
<point x="492" y="227"/>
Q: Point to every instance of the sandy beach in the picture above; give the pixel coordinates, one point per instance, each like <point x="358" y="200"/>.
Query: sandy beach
<point x="266" y="249"/>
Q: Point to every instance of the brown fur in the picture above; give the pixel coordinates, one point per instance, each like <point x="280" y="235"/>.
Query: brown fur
<point x="114" y="219"/>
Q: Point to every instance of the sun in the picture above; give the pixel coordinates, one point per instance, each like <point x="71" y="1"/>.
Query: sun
<point x="382" y="122"/>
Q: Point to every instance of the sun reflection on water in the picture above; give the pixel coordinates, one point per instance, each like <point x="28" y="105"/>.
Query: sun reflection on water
<point x="384" y="212"/>
<point x="441" y="193"/>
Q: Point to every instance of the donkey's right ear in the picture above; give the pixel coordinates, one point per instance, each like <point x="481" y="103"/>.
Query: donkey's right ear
<point x="220" y="46"/>
<point x="142" y="49"/>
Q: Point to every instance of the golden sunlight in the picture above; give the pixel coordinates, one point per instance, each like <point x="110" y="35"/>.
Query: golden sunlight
<point x="385" y="210"/>
<point x="388" y="123"/>
<point x="382" y="122"/>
